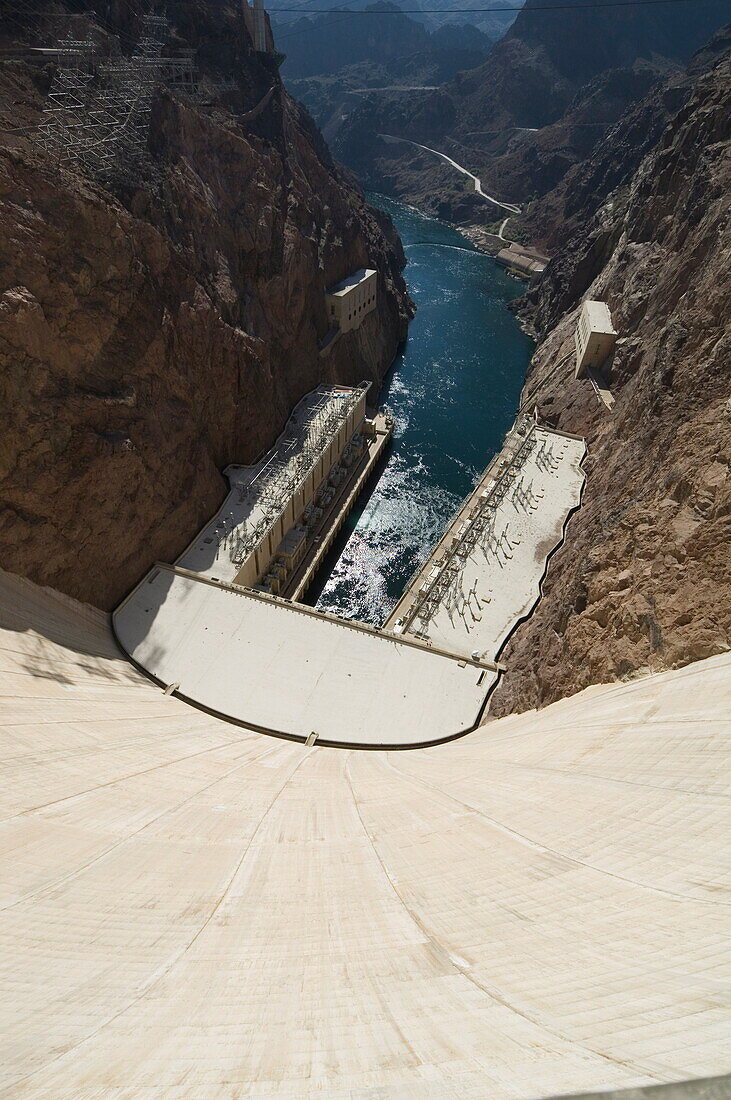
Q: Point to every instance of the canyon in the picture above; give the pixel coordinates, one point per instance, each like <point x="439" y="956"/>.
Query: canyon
<point x="643" y="582"/>
<point x="545" y="98"/>
<point x="198" y="907"/>
<point x="635" y="214"/>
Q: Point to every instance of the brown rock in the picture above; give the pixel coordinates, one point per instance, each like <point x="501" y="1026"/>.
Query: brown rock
<point x="152" y="336"/>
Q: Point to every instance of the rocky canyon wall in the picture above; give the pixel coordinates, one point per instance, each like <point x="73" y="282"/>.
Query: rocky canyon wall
<point x="155" y="329"/>
<point x="643" y="581"/>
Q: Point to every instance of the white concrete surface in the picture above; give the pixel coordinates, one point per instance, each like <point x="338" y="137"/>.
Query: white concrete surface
<point x="498" y="584"/>
<point x="353" y="298"/>
<point x="594" y="337"/>
<point x="189" y="910"/>
<point x="291" y="670"/>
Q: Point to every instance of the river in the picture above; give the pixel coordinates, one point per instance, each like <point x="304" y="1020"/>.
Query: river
<point x="454" y="392"/>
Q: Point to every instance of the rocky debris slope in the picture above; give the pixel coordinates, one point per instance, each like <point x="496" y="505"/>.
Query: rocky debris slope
<point x="153" y="332"/>
<point x="643" y="581"/>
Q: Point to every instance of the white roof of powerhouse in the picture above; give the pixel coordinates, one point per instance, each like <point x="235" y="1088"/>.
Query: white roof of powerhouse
<point x="507" y="588"/>
<point x="192" y="910"/>
<point x="288" y="669"/>
<point x="212" y="551"/>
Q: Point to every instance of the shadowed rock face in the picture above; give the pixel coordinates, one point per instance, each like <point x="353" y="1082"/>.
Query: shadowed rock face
<point x="643" y="580"/>
<point x="571" y="74"/>
<point x="152" y="335"/>
<point x="332" y="60"/>
<point x="555" y="218"/>
<point x="326" y="43"/>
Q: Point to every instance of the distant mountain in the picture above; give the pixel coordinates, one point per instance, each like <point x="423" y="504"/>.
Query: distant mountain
<point x="327" y="43"/>
<point x="546" y="56"/>
<point x="577" y="70"/>
<point x="492" y="23"/>
<point x="337" y="61"/>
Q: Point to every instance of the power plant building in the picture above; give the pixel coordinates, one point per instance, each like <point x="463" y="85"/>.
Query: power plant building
<point x="260" y="534"/>
<point x="350" y="300"/>
<point x="595" y="336"/>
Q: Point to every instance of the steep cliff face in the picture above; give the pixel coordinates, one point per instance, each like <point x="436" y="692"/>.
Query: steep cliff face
<point x="565" y="212"/>
<point x="152" y="335"/>
<point x="644" y="579"/>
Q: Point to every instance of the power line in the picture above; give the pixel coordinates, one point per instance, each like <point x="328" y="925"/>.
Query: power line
<point x="478" y="11"/>
<point x="313" y="28"/>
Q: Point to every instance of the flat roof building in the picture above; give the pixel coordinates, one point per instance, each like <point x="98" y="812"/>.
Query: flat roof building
<point x="595" y="336"/>
<point x="350" y="300"/>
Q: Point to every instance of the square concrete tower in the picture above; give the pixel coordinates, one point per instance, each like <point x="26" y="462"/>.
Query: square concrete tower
<point x="595" y="336"/>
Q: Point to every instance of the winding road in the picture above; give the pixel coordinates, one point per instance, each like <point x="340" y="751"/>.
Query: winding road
<point x="510" y="207"/>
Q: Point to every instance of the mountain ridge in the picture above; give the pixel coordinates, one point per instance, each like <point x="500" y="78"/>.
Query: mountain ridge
<point x="535" y="78"/>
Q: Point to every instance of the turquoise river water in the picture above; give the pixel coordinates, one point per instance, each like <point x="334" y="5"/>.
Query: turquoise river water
<point x="454" y="392"/>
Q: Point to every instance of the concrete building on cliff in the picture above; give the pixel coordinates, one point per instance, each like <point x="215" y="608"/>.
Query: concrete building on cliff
<point x="257" y="25"/>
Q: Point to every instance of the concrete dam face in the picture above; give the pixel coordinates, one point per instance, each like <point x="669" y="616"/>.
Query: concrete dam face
<point x="191" y="909"/>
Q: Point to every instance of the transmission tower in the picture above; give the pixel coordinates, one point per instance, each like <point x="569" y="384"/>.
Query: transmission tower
<point x="64" y="120"/>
